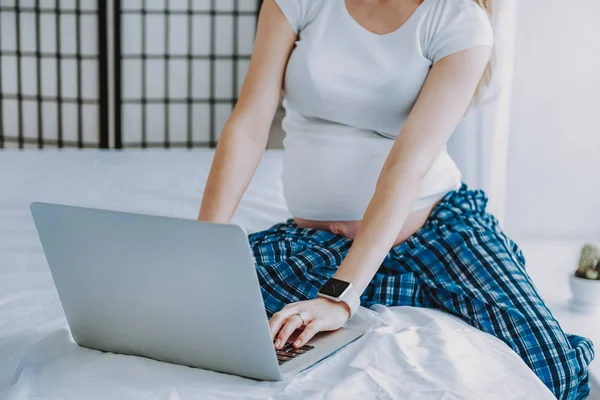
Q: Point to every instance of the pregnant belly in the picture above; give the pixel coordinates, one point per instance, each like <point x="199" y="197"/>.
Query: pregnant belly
<point x="331" y="178"/>
<point x="415" y="221"/>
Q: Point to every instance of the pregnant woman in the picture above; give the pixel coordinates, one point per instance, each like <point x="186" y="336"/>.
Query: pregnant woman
<point x="373" y="89"/>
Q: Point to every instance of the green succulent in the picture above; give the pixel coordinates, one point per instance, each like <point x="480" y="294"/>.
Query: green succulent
<point x="589" y="263"/>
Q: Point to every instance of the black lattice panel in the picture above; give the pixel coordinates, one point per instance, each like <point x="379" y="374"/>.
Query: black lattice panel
<point x="181" y="66"/>
<point x="50" y="57"/>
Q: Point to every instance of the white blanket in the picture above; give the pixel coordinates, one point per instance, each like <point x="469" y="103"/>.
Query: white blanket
<point x="410" y="353"/>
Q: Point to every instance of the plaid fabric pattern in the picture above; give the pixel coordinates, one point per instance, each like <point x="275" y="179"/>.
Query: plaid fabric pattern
<point x="459" y="262"/>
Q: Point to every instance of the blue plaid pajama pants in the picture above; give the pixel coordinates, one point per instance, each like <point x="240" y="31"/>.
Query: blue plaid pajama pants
<point x="459" y="262"/>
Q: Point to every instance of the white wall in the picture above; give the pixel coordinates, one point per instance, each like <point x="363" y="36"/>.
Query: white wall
<point x="554" y="154"/>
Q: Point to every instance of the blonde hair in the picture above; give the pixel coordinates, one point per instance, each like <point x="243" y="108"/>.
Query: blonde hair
<point x="487" y="73"/>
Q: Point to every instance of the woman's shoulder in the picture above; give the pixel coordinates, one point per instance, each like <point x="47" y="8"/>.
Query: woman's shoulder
<point x="454" y="25"/>
<point x="300" y="13"/>
<point x="444" y="12"/>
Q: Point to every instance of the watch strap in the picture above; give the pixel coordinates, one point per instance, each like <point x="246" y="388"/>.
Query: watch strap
<point x="350" y="297"/>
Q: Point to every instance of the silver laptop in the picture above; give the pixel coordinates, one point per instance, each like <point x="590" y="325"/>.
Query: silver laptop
<point x="169" y="289"/>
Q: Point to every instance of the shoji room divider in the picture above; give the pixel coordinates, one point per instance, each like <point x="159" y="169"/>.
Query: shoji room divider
<point x="121" y="73"/>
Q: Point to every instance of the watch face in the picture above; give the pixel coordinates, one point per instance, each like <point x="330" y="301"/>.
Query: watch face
<point x="334" y="288"/>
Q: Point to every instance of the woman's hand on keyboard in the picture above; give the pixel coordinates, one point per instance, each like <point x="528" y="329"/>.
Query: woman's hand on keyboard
<point x="313" y="315"/>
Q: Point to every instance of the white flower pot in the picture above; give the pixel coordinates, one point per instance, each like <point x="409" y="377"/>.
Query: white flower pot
<point x="586" y="295"/>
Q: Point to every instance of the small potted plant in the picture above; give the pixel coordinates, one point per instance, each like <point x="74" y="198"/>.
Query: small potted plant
<point x="585" y="282"/>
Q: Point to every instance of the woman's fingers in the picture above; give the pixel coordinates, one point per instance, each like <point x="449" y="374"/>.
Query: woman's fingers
<point x="311" y="330"/>
<point x="275" y="324"/>
<point x="318" y="314"/>
<point x="292" y="323"/>
<point x="279" y="318"/>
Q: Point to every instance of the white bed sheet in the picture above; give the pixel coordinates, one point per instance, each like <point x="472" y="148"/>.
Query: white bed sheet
<point x="409" y="353"/>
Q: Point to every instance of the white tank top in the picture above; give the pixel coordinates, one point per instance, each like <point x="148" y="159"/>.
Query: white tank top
<point x="348" y="92"/>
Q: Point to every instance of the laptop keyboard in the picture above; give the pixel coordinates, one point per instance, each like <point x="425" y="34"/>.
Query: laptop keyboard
<point x="289" y="352"/>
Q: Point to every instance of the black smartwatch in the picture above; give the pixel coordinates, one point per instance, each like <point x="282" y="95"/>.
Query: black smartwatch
<point x="341" y="291"/>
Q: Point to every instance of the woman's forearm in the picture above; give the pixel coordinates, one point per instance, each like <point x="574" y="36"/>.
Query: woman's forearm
<point x="443" y="101"/>
<point x="389" y="208"/>
<point x="244" y="137"/>
<point x="236" y="159"/>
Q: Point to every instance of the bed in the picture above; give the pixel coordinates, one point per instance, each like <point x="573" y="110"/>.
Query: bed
<point x="408" y="353"/>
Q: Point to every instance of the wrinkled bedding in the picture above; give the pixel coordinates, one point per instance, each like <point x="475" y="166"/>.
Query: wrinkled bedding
<point x="409" y="353"/>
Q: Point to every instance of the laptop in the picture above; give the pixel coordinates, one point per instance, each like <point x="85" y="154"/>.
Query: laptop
<point x="173" y="290"/>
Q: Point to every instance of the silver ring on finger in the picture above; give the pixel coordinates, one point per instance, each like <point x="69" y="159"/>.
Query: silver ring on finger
<point x="302" y="318"/>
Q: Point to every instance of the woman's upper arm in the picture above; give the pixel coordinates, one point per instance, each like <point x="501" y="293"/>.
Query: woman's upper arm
<point x="262" y="86"/>
<point x="441" y="105"/>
